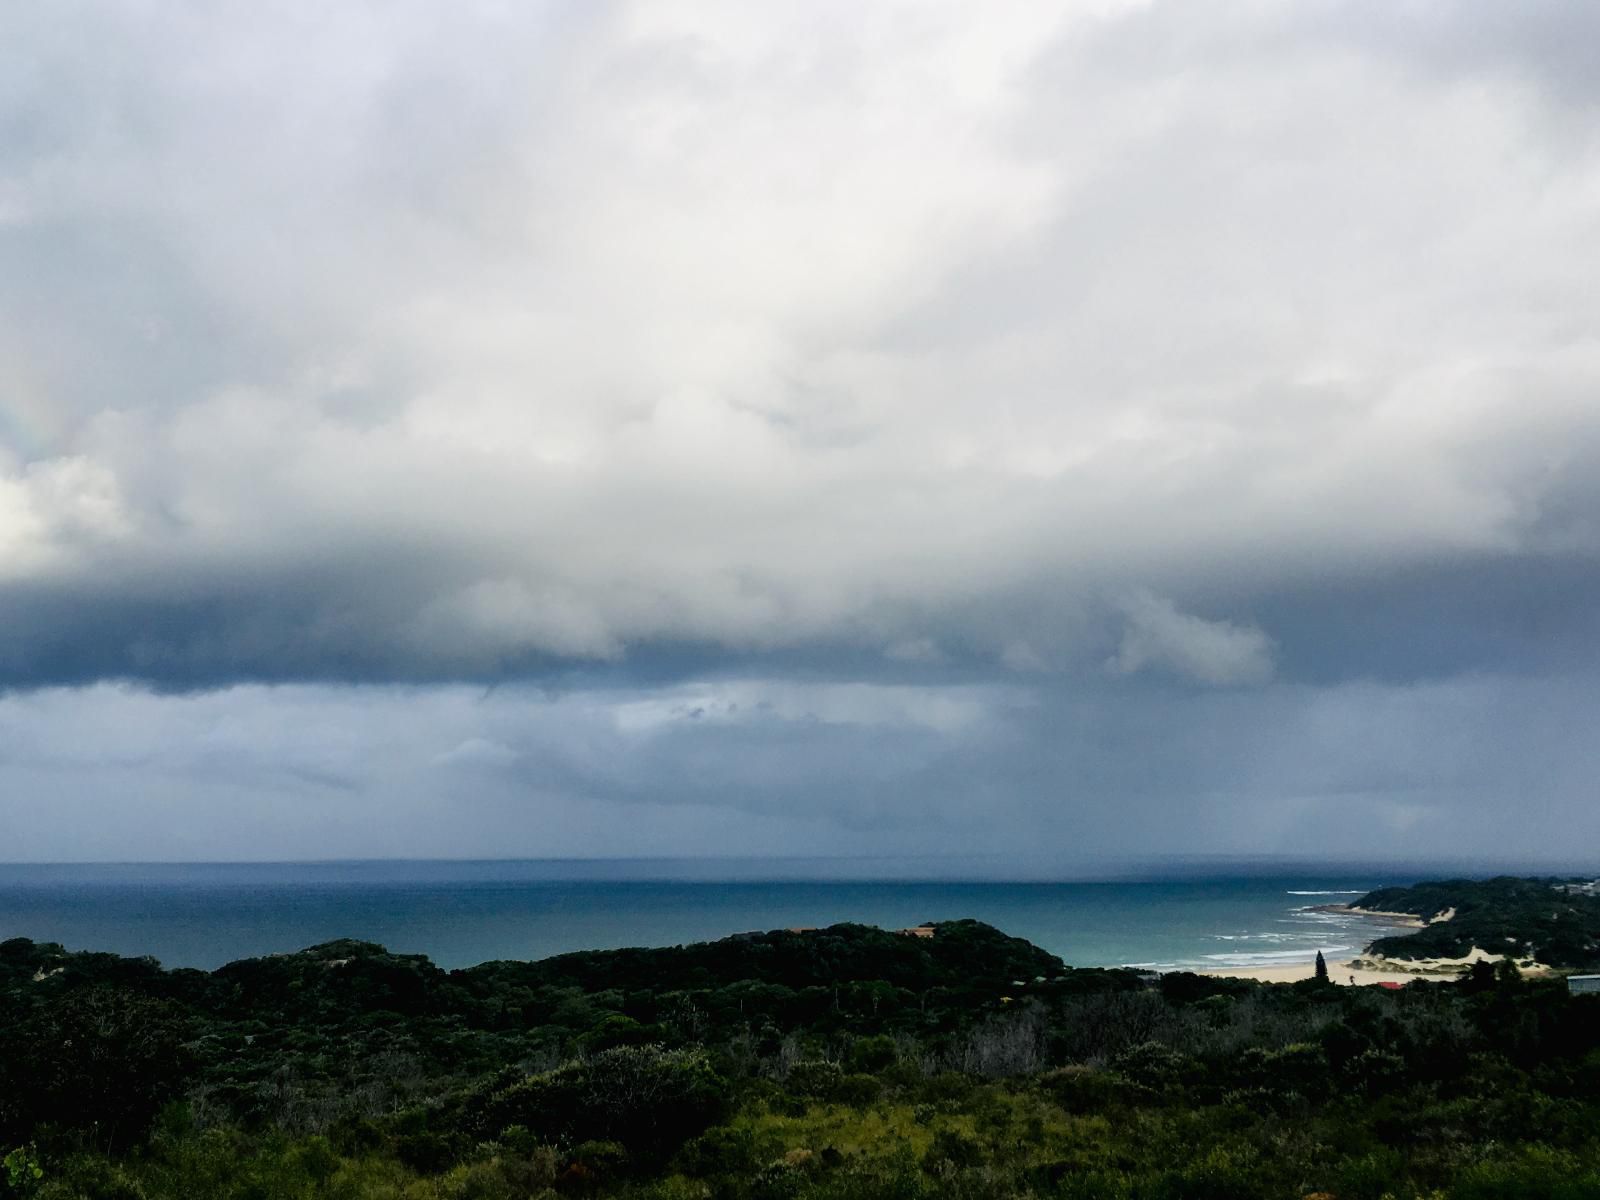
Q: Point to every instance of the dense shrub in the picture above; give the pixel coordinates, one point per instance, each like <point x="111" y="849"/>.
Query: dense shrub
<point x="89" y="1178"/>
<point x="101" y="1060"/>
<point x="873" y="1054"/>
<point x="815" y="1078"/>
<point x="647" y="1098"/>
<point x="427" y="1151"/>
<point x="1153" y="1065"/>
<point x="1082" y="1090"/>
<point x="857" y="1089"/>
<point x="955" y="1148"/>
<point x="719" y="1151"/>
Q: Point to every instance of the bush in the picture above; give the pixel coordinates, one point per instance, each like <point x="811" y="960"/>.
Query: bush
<point x="720" y="1151"/>
<point x="1537" y="1174"/>
<point x="1375" y="1071"/>
<point x="1083" y="1090"/>
<point x="949" y="1087"/>
<point x="859" y="1090"/>
<point x="649" y="1099"/>
<point x="782" y="1180"/>
<point x="1153" y="1065"/>
<point x="603" y="1160"/>
<point x="873" y="1054"/>
<point x="1370" y="1177"/>
<point x="1219" y="1174"/>
<point x="1300" y="1067"/>
<point x="316" y="1158"/>
<point x="20" y="1171"/>
<point x="93" y="1179"/>
<point x="498" y="1177"/>
<point x="425" y="1152"/>
<point x="532" y="1171"/>
<point x="619" y="1030"/>
<point x="816" y="1078"/>
<point x="354" y="1135"/>
<point x="101" y="1059"/>
<point x="953" y="1147"/>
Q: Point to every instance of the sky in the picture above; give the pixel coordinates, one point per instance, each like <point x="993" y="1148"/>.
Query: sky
<point x="516" y="429"/>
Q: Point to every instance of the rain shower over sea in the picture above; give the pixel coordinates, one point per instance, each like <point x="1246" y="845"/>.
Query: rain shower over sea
<point x="461" y="913"/>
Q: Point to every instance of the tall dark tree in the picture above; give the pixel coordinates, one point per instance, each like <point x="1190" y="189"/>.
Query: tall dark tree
<point x="1322" y="968"/>
<point x="102" y="1060"/>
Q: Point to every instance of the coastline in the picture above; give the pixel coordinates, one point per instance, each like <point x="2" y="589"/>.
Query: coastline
<point x="1392" y="920"/>
<point x="1343" y="973"/>
<point x="1360" y="971"/>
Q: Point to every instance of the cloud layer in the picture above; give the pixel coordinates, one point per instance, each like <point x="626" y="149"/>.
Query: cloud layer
<point x="1046" y="360"/>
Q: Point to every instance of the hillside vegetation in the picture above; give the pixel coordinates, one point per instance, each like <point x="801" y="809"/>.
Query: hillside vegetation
<point x="846" y="1063"/>
<point x="1550" y="921"/>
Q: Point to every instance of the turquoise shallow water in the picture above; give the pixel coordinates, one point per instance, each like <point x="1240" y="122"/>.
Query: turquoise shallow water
<point x="464" y="913"/>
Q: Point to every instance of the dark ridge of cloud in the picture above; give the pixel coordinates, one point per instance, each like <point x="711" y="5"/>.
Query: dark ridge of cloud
<point x="1515" y="615"/>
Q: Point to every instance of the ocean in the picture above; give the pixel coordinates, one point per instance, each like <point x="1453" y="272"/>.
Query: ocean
<point x="461" y="913"/>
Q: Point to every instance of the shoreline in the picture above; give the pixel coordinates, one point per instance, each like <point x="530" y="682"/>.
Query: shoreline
<point x="1391" y="920"/>
<point x="1345" y="974"/>
<point x="1358" y="972"/>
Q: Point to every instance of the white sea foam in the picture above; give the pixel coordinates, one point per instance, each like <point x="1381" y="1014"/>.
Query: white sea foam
<point x="1299" y="937"/>
<point x="1324" y="921"/>
<point x="1331" y="892"/>
<point x="1273" y="958"/>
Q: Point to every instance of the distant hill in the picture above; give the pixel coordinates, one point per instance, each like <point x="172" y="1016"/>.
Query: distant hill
<point x="1555" y="922"/>
<point x="326" y="1014"/>
<point x="957" y="966"/>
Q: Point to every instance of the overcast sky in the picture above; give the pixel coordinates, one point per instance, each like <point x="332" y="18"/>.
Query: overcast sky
<point x="486" y="429"/>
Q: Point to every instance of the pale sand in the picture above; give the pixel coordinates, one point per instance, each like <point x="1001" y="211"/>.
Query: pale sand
<point x="1368" y="971"/>
<point x="1338" y="972"/>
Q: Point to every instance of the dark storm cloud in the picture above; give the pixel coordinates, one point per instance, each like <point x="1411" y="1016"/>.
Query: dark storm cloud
<point x="1153" y="385"/>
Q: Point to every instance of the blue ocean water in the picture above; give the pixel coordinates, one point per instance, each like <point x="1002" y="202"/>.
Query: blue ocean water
<point x="203" y="915"/>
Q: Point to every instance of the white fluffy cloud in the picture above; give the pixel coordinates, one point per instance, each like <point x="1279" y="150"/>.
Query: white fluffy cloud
<point x="408" y="342"/>
<point x="1217" y="652"/>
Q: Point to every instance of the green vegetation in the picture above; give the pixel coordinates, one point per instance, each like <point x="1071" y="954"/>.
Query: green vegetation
<point x="1555" y="922"/>
<point x="839" y="1063"/>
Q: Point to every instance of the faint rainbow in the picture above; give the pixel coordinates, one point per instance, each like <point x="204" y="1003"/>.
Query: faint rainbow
<point x="31" y="427"/>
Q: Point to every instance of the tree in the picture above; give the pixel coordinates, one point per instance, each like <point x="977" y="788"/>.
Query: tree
<point x="649" y="1098"/>
<point x="1322" y="968"/>
<point x="101" y="1060"/>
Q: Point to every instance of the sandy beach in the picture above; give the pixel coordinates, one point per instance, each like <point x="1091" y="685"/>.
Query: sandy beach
<point x="1340" y="973"/>
<point x="1357" y="972"/>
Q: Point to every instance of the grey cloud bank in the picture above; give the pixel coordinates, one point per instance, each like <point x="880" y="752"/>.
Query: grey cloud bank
<point x="819" y="428"/>
<point x="1483" y="768"/>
